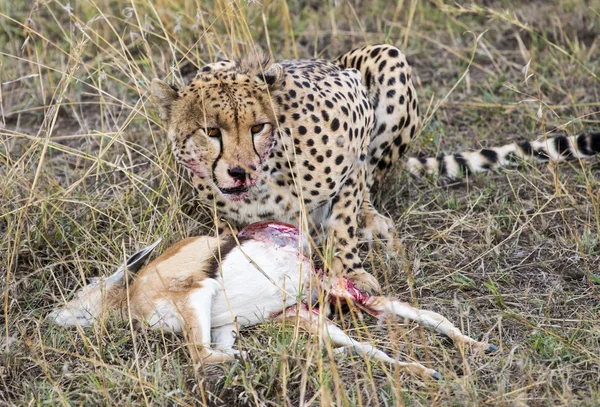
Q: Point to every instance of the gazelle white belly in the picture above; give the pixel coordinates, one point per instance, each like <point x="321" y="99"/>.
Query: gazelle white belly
<point x="251" y="294"/>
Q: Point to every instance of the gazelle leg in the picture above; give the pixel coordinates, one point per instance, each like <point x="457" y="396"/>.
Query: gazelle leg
<point x="196" y="322"/>
<point x="223" y="338"/>
<point x="309" y="322"/>
<point x="428" y="319"/>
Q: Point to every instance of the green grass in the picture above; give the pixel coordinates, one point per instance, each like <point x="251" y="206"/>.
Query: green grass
<point x="87" y="177"/>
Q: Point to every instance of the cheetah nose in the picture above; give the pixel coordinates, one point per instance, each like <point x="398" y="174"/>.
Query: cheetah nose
<point x="237" y="173"/>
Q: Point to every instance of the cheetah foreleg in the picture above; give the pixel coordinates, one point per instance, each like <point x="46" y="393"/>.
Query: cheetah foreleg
<point x="376" y="226"/>
<point x="342" y="226"/>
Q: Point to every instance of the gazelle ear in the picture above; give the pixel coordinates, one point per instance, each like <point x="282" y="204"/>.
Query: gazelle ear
<point x="163" y="96"/>
<point x="272" y="75"/>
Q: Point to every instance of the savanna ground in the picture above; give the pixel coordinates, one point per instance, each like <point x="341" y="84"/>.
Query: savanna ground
<point x="86" y="176"/>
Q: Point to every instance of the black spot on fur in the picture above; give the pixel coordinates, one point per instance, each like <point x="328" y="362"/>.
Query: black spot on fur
<point x="335" y="124"/>
<point x="462" y="164"/>
<point x="368" y="79"/>
<point x="562" y="146"/>
<point x="491" y="156"/>
<point x="582" y="145"/>
<point x="402" y="149"/>
<point x="594" y="143"/>
<point x="441" y="165"/>
<point x="526" y="147"/>
<point x="268" y="79"/>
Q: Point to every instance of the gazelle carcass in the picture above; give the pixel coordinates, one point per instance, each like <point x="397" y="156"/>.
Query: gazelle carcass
<point x="207" y="287"/>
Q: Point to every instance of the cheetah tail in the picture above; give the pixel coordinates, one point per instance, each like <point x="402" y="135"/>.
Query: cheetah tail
<point x="557" y="148"/>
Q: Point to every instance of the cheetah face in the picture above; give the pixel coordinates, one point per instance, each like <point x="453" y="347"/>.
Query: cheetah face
<point x="222" y="127"/>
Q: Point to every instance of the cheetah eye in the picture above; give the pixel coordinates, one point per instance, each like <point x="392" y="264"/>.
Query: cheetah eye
<point x="213" y="132"/>
<point x="257" y="128"/>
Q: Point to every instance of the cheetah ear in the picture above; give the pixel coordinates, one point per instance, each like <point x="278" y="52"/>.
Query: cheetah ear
<point x="272" y="75"/>
<point x="163" y="96"/>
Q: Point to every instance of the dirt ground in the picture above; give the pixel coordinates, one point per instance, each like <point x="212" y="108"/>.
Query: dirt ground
<point x="87" y="177"/>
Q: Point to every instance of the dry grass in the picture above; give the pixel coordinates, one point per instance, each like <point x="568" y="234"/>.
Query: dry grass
<point x="86" y="176"/>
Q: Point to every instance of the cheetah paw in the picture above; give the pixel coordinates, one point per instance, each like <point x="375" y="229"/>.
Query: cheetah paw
<point x="365" y="281"/>
<point x="380" y="227"/>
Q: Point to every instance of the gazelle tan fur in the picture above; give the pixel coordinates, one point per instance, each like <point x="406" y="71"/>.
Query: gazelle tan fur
<point x="204" y="288"/>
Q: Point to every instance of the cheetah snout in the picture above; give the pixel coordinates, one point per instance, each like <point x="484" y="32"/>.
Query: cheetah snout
<point x="237" y="182"/>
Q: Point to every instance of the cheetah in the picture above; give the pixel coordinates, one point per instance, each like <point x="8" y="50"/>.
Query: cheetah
<point x="275" y="141"/>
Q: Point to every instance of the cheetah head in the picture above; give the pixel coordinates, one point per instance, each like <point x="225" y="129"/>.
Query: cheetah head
<point x="222" y="125"/>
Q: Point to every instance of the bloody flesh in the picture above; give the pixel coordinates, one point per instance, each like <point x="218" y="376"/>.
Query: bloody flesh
<point x="283" y="234"/>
